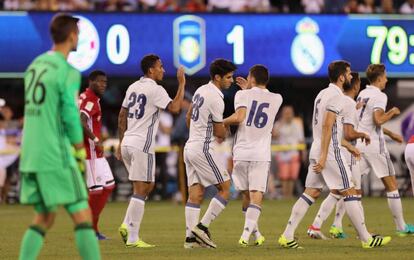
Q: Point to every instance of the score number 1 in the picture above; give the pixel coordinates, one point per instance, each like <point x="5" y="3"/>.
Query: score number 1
<point x="397" y="43"/>
<point x="236" y="37"/>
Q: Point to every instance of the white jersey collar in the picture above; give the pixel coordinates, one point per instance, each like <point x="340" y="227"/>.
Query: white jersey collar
<point x="331" y="85"/>
<point x="146" y="79"/>
<point x="373" y="87"/>
<point x="260" y="89"/>
<point x="211" y="84"/>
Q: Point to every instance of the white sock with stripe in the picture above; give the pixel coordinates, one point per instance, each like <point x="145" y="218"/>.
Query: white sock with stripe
<point x="251" y="220"/>
<point x="135" y="214"/>
<point x="192" y="215"/>
<point x="339" y="214"/>
<point x="217" y="204"/>
<point x="325" y="210"/>
<point x="394" y="203"/>
<point x="256" y="233"/>
<point x="298" y="212"/>
<point x="354" y="212"/>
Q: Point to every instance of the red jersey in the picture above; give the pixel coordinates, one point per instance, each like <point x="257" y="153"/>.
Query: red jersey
<point x="411" y="140"/>
<point x="89" y="106"/>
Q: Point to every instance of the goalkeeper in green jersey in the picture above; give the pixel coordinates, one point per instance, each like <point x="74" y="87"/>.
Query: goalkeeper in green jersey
<point x="49" y="172"/>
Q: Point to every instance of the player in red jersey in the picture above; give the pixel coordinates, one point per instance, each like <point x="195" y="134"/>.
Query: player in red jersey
<point x="100" y="180"/>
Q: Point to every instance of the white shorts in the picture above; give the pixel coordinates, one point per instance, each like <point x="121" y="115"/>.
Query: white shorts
<point x="336" y="174"/>
<point x="203" y="168"/>
<point x="380" y="164"/>
<point x="98" y="174"/>
<point x="140" y="165"/>
<point x="250" y="175"/>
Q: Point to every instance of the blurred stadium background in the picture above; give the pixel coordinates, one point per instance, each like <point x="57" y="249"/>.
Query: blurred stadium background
<point x="296" y="39"/>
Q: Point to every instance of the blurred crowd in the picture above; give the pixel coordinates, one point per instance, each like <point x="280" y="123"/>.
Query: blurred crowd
<point x="221" y="6"/>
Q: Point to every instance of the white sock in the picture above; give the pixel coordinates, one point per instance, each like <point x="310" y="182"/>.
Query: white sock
<point x="256" y="233"/>
<point x="192" y="215"/>
<point x="339" y="214"/>
<point x="135" y="213"/>
<point x="360" y="205"/>
<point x="298" y="212"/>
<point x="251" y="220"/>
<point x="325" y="210"/>
<point x="353" y="210"/>
<point x="217" y="204"/>
<point x="394" y="203"/>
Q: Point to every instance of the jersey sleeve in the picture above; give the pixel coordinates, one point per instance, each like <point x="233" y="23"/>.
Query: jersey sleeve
<point x="334" y="106"/>
<point x="380" y="102"/>
<point x="350" y="114"/>
<point x="70" y="112"/>
<point x="161" y="98"/>
<point x="216" y="110"/>
<point x="88" y="107"/>
<point x="126" y="101"/>
<point x="240" y="100"/>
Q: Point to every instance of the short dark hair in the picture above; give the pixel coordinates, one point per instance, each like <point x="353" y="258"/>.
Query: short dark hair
<point x="148" y="62"/>
<point x="355" y="78"/>
<point x="260" y="74"/>
<point x="61" y="26"/>
<point x="336" y="69"/>
<point x="374" y="71"/>
<point x="221" y="67"/>
<point x="94" y="74"/>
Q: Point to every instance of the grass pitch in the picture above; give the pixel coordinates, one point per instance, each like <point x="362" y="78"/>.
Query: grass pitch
<point x="163" y="225"/>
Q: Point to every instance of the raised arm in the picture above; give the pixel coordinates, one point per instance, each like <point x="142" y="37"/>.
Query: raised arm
<point x="175" y="105"/>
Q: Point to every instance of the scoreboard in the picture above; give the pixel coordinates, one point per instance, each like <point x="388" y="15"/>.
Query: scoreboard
<point x="289" y="45"/>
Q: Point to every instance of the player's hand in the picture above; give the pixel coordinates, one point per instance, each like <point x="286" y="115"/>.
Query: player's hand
<point x="181" y="76"/>
<point x="319" y="166"/>
<point x="355" y="152"/>
<point x="118" y="154"/>
<point x="396" y="111"/>
<point x="99" y="145"/>
<point x="80" y="155"/>
<point x="366" y="139"/>
<point x="242" y="82"/>
<point x="398" y="138"/>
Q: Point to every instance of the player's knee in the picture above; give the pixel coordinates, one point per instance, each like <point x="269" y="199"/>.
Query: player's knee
<point x="390" y="183"/>
<point x="195" y="198"/>
<point x="314" y="193"/>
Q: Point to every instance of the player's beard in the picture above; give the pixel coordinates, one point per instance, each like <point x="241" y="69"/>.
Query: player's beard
<point x="347" y="85"/>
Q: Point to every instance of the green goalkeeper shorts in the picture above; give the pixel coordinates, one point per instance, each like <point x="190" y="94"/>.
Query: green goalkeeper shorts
<point x="52" y="188"/>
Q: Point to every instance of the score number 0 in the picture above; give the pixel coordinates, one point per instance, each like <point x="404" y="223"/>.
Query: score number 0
<point x="397" y="43"/>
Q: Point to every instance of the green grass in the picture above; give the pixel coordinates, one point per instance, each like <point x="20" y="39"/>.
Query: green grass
<point x="163" y="225"/>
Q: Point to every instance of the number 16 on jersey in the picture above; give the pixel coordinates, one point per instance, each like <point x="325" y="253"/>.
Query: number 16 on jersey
<point x="257" y="115"/>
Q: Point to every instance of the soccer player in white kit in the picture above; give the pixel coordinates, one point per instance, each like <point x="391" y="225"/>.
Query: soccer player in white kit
<point x="350" y="135"/>
<point x="327" y="161"/>
<point x="255" y="113"/>
<point x="137" y="124"/>
<point x="205" y="120"/>
<point x="375" y="157"/>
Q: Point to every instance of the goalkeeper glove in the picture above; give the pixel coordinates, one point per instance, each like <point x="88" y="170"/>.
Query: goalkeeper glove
<point x="80" y="156"/>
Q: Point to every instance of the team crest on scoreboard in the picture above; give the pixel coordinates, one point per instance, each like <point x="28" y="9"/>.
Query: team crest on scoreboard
<point x="189" y="43"/>
<point x="88" y="46"/>
<point x="307" y="51"/>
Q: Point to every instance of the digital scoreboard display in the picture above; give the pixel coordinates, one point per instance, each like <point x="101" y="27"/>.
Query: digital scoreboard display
<point x="289" y="45"/>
